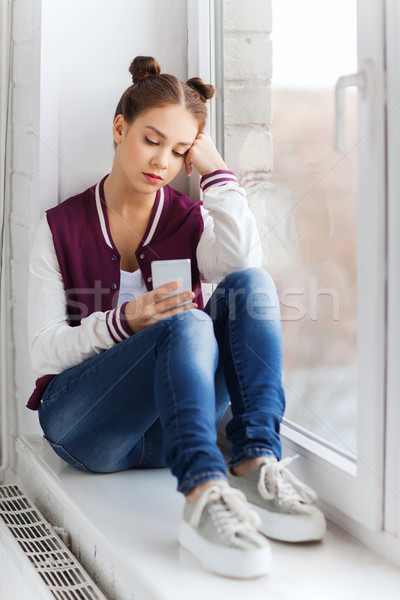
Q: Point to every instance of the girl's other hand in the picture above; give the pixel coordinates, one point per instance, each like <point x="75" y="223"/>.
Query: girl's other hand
<point x="152" y="307"/>
<point x="204" y="156"/>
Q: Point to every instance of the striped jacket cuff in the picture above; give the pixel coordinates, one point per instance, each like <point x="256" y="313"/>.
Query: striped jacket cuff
<point x="217" y="178"/>
<point x="117" y="324"/>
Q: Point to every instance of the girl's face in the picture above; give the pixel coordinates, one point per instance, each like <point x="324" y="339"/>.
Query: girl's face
<point x="151" y="150"/>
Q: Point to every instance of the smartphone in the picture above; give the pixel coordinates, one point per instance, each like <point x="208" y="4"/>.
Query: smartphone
<point x="166" y="271"/>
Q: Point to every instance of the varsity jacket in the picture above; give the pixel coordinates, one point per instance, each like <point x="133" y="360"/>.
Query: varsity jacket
<point x="74" y="268"/>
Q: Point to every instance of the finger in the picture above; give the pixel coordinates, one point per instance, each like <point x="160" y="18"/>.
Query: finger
<point x="163" y="290"/>
<point x="159" y="316"/>
<point x="188" y="164"/>
<point x="167" y="303"/>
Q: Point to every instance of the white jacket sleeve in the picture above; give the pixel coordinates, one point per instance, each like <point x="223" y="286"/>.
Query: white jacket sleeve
<point x="230" y="239"/>
<point x="55" y="345"/>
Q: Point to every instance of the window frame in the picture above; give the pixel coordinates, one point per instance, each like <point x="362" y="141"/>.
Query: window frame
<point x="392" y="477"/>
<point x="201" y="61"/>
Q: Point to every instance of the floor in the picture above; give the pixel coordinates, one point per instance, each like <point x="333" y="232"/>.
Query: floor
<point x="137" y="513"/>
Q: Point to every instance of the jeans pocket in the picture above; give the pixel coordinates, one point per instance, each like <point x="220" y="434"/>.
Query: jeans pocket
<point x="66" y="456"/>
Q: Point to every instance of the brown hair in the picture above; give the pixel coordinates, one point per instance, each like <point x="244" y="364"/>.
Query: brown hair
<point x="151" y="89"/>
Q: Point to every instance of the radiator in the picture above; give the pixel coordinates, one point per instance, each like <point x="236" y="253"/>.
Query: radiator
<point x="35" y="562"/>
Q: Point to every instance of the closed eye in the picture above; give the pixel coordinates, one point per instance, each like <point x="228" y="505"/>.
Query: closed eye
<point x="181" y="155"/>
<point x="150" y="141"/>
<point x="175" y="152"/>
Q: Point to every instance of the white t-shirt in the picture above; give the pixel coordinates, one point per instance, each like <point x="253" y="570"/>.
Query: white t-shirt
<point x="131" y="286"/>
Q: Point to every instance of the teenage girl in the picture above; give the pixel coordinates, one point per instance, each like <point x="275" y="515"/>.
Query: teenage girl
<point x="128" y="376"/>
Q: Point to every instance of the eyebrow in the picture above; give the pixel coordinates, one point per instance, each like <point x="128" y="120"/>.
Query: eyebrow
<point x="163" y="136"/>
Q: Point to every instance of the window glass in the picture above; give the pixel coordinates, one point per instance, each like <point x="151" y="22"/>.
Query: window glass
<point x="279" y="137"/>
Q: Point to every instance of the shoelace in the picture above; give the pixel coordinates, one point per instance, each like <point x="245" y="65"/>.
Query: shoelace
<point x="230" y="514"/>
<point x="282" y="484"/>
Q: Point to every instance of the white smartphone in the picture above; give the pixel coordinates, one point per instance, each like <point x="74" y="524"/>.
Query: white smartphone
<point x="166" y="271"/>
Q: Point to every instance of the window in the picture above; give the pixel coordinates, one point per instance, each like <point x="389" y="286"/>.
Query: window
<point x="322" y="219"/>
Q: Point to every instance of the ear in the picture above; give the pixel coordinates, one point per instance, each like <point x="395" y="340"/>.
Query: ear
<point x="119" y="128"/>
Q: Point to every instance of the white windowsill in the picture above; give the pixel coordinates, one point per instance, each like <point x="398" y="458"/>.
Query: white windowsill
<point x="132" y="518"/>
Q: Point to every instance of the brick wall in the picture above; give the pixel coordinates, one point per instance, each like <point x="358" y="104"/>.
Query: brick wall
<point x="247" y="56"/>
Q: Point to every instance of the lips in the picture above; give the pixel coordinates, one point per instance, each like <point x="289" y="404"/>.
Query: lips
<point x="152" y="178"/>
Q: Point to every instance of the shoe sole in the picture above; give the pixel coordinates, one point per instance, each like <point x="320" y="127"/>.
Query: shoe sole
<point x="230" y="562"/>
<point x="291" y="528"/>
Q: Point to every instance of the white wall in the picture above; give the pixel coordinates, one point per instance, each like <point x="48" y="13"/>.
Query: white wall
<point x="70" y="68"/>
<point x="96" y="41"/>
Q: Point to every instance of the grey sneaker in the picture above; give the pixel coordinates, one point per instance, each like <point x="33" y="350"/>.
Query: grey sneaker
<point x="221" y="532"/>
<point x="285" y="504"/>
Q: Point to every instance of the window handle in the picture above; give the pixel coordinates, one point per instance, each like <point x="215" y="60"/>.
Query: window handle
<point x="363" y="81"/>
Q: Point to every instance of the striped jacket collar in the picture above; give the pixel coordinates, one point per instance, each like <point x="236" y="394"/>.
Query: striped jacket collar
<point x="102" y="215"/>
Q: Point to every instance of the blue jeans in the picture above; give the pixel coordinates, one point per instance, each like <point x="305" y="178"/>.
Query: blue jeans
<point x="154" y="400"/>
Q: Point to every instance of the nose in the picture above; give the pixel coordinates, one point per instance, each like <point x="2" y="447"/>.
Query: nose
<point x="160" y="158"/>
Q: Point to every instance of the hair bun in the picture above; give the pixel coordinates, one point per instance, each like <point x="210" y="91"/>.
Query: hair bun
<point x="205" y="90"/>
<point x="142" y="67"/>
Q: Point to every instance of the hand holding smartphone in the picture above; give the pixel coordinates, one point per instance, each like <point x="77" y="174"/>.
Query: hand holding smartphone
<point x="166" y="271"/>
